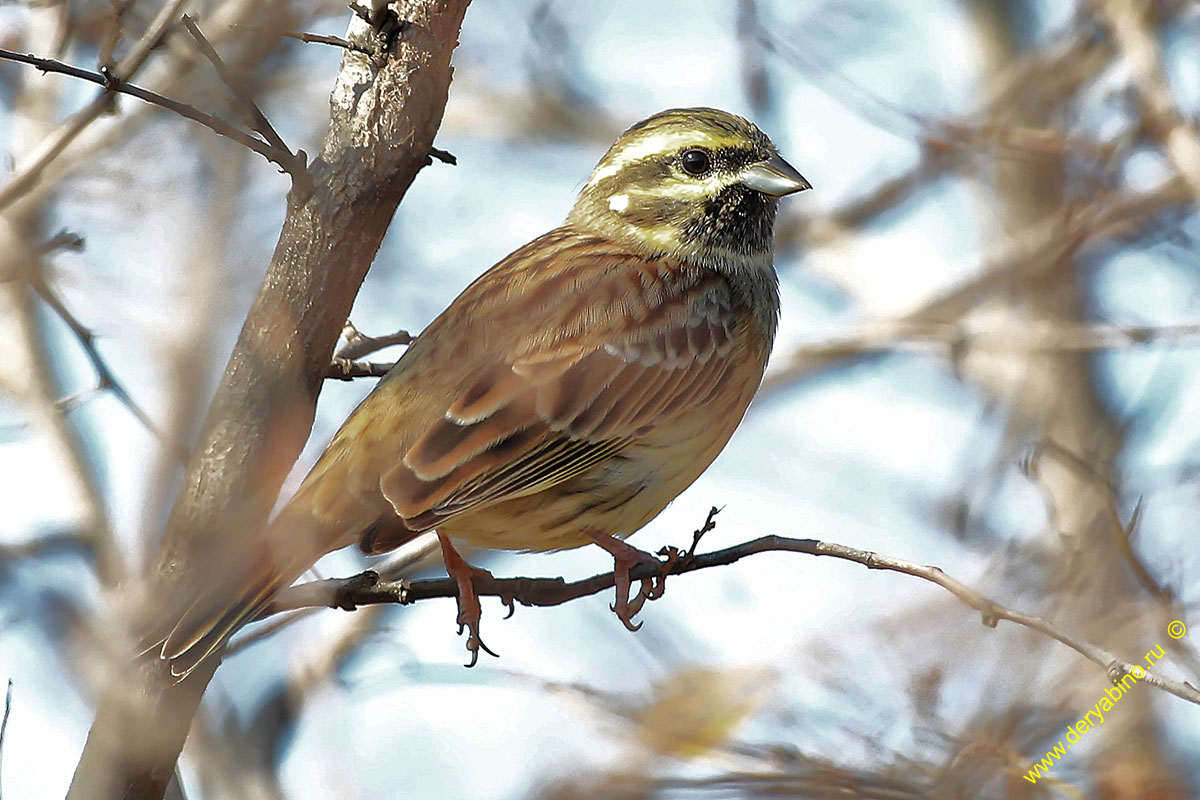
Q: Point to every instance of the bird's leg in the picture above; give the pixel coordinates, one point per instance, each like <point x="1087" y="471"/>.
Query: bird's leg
<point x="469" y="611"/>
<point x="625" y="557"/>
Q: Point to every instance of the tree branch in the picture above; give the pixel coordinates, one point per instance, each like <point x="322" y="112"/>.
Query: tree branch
<point x="346" y="364"/>
<point x="367" y="589"/>
<point x="1130" y="23"/>
<point x="4" y="721"/>
<point x="112" y="83"/>
<point x="1032" y="252"/>
<point x="106" y="379"/>
<point x="953" y="337"/>
<point x="320" y="38"/>
<point x="297" y="163"/>
<point x="358" y="344"/>
<point x="341" y="369"/>
<point x="384" y="115"/>
<point x="28" y="171"/>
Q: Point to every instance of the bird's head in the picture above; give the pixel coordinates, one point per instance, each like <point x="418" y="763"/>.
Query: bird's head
<point x="692" y="183"/>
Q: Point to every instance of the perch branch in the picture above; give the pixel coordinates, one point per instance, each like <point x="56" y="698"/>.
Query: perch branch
<point x="367" y="589"/>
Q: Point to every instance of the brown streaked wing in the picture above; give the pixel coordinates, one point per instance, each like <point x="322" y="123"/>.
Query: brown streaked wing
<point x="576" y="389"/>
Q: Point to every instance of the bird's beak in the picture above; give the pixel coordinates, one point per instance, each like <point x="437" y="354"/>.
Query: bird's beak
<point x="774" y="177"/>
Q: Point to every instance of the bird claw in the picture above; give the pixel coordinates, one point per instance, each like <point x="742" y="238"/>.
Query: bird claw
<point x="625" y="557"/>
<point x="627" y="614"/>
<point x="470" y="614"/>
<point x="474" y="645"/>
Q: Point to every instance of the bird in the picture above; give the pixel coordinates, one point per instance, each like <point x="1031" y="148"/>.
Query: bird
<point x="566" y="397"/>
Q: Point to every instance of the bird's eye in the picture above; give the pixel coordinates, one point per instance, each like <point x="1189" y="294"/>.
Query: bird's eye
<point x="695" y="161"/>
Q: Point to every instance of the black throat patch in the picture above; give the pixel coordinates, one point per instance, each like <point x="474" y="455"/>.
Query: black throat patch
<point x="737" y="220"/>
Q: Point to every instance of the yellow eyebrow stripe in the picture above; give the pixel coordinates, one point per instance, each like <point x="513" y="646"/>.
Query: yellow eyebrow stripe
<point x="659" y="143"/>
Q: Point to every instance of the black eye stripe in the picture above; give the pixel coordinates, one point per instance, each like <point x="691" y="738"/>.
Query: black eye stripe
<point x="731" y="159"/>
<point x="725" y="159"/>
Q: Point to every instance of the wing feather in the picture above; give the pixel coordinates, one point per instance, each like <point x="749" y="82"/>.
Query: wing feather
<point x="648" y="341"/>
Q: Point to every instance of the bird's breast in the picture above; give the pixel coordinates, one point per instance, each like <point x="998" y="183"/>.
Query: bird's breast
<point x="618" y="496"/>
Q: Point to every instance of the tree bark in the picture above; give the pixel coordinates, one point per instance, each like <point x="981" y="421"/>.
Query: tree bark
<point x="385" y="112"/>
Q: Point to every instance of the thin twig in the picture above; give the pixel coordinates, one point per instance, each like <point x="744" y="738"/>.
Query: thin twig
<point x="358" y="344"/>
<point x="342" y="369"/>
<point x="28" y="171"/>
<point x="111" y="83"/>
<point x="106" y="379"/>
<point x="320" y="38"/>
<point x="444" y="156"/>
<point x="297" y="165"/>
<point x="63" y="240"/>
<point x="347" y="364"/>
<point x="367" y="589"/>
<point x="4" y="727"/>
<point x="413" y="555"/>
<point x="710" y="523"/>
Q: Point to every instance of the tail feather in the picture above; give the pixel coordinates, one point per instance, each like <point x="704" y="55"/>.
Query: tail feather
<point x="242" y="582"/>
<point x="211" y="620"/>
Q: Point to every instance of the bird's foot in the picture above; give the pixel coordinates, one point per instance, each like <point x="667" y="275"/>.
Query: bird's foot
<point x="469" y="611"/>
<point x="626" y="557"/>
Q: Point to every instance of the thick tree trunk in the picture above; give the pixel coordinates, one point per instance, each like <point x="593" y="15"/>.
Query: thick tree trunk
<point x="385" y="114"/>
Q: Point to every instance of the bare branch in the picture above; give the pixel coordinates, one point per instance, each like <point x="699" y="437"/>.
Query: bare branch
<point x="107" y="380"/>
<point x="1139" y="48"/>
<point x="953" y="337"/>
<point x="343" y="369"/>
<point x="384" y="115"/>
<point x="358" y="344"/>
<point x="4" y="724"/>
<point x="402" y="563"/>
<point x="367" y="589"/>
<point x="710" y="522"/>
<point x="1163" y="595"/>
<point x="444" y="156"/>
<point x="27" y="172"/>
<point x="1033" y="252"/>
<point x="297" y="165"/>
<point x="347" y="364"/>
<point x="63" y="240"/>
<point x="111" y="83"/>
<point x="318" y="38"/>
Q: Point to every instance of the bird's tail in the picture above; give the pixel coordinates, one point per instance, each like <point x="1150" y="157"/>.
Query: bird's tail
<point x="215" y="616"/>
<point x="233" y="584"/>
<point x="237" y="586"/>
